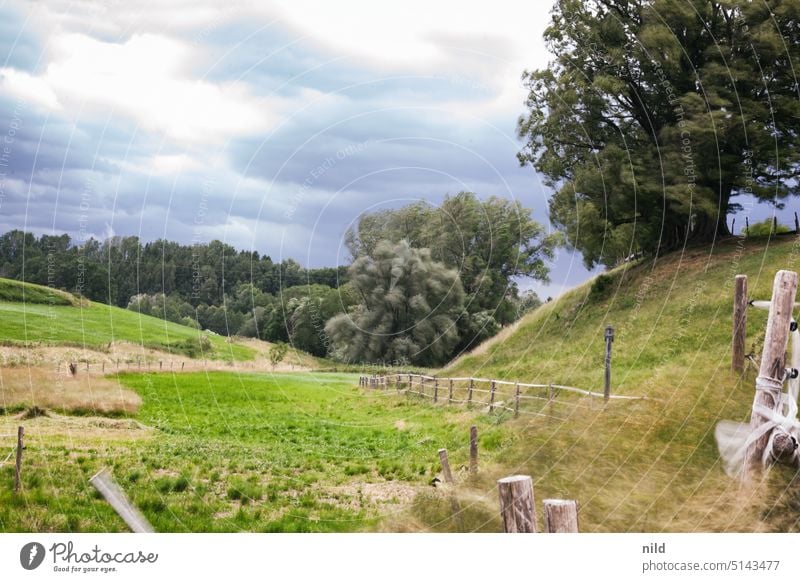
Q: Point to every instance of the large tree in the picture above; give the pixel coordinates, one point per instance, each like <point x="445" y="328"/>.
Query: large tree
<point x="655" y="114"/>
<point x="490" y="242"/>
<point x="409" y="306"/>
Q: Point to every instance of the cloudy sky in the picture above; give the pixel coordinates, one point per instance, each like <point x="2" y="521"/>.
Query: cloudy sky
<point x="270" y="126"/>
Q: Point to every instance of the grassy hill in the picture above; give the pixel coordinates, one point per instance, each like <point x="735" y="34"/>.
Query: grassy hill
<point x="646" y="465"/>
<point x="36" y="315"/>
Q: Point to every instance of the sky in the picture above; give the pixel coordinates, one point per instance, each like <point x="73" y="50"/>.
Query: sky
<point x="270" y="127"/>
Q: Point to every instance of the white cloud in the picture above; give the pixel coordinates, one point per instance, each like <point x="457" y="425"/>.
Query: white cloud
<point x="28" y="88"/>
<point x="145" y="79"/>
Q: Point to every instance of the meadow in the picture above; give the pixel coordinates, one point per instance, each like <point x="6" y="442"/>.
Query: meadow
<point x="225" y="451"/>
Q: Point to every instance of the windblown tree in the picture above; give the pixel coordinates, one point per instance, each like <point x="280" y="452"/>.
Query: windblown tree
<point x="655" y="114"/>
<point x="489" y="242"/>
<point x="408" y="310"/>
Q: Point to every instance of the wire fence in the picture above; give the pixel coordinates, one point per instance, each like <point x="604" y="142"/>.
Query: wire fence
<point x="491" y="394"/>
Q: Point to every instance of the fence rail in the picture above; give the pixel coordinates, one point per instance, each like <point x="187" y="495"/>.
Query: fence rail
<point x="492" y="393"/>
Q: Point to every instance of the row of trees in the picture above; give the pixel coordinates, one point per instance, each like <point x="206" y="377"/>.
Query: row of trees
<point x="114" y="270"/>
<point x="425" y="283"/>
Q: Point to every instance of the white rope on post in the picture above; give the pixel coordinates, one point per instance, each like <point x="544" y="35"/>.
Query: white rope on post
<point x="734" y="438"/>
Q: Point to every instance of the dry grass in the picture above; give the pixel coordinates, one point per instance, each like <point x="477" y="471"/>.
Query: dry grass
<point x="24" y="388"/>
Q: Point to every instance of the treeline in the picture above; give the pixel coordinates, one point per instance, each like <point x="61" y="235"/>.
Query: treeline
<point x="211" y="286"/>
<point x="425" y="284"/>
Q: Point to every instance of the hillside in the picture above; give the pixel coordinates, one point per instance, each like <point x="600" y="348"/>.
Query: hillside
<point x="32" y="315"/>
<point x="645" y="465"/>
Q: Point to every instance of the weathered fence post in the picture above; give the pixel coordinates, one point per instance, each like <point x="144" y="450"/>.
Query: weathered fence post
<point x="609" y="340"/>
<point x="560" y="516"/>
<point x="18" y="466"/>
<point x="182" y="365"/>
<point x="516" y="400"/>
<point x="450" y="392"/>
<point x="104" y="367"/>
<point x="739" y="322"/>
<point x="491" y="396"/>
<point x="160" y="365"/>
<point x="435" y="390"/>
<point x="516" y="504"/>
<point x="769" y="383"/>
<point x="448" y="475"/>
<point x="469" y="393"/>
<point x="473" y="450"/>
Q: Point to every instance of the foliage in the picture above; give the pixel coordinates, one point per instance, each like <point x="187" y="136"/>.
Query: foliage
<point x="220" y="288"/>
<point x="766" y="228"/>
<point x="654" y="115"/>
<point x="490" y="242"/>
<point x="276" y="353"/>
<point x="408" y="310"/>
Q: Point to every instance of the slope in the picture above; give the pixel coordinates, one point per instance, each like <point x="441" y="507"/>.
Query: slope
<point x="32" y="315"/>
<point x="645" y="465"/>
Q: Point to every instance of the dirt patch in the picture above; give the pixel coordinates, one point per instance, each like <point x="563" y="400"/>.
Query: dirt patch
<point x="124" y="356"/>
<point x="358" y="495"/>
<point x="43" y="389"/>
<point x="71" y="427"/>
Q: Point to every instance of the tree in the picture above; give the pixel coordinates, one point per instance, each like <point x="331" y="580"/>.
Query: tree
<point x="490" y="242"/>
<point x="408" y="310"/>
<point x="654" y="114"/>
<point x="277" y="353"/>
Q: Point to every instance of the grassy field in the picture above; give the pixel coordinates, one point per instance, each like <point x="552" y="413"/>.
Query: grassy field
<point x="28" y="293"/>
<point x="647" y="466"/>
<point x="226" y="451"/>
<point x="66" y="321"/>
<point x="247" y="452"/>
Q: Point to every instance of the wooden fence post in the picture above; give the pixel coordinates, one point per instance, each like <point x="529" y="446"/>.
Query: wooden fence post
<point x="739" y="322"/>
<point x="473" y="450"/>
<point x="769" y="384"/>
<point x="516" y="504"/>
<point x="448" y="475"/>
<point x="516" y="400"/>
<point x="435" y="390"/>
<point x="450" y="393"/>
<point x="182" y="365"/>
<point x="560" y="516"/>
<point x="104" y="367"/>
<point x="609" y="335"/>
<point x="18" y="466"/>
<point x="469" y="392"/>
<point x="491" y="396"/>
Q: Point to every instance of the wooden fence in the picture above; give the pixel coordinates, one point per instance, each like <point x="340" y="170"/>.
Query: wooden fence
<point x="494" y="395"/>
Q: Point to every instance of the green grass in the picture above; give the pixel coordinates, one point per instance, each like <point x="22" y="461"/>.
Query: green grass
<point x="244" y="452"/>
<point x="95" y="325"/>
<point x="647" y="466"/>
<point x="28" y="293"/>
